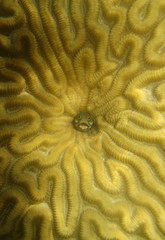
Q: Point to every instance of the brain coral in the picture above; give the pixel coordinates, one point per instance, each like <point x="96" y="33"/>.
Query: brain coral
<point x="62" y="57"/>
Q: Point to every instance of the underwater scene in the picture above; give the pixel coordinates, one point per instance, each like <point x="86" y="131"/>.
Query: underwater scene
<point x="82" y="119"/>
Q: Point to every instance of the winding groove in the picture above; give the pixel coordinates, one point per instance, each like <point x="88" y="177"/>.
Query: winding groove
<point x="61" y="57"/>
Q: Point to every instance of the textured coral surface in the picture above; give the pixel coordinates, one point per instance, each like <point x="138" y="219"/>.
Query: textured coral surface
<point x="61" y="57"/>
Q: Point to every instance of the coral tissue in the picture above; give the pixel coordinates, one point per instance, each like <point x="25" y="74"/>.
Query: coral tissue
<point x="102" y="58"/>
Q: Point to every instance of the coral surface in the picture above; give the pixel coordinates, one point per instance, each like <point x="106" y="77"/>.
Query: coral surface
<point x="62" y="57"/>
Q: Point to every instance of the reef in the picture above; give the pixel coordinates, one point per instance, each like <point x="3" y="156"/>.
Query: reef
<point x="62" y="61"/>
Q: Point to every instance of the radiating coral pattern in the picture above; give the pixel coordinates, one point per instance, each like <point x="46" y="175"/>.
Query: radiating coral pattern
<point x="62" y="57"/>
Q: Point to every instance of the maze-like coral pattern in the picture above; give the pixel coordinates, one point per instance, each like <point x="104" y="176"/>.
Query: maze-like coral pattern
<point x="60" y="57"/>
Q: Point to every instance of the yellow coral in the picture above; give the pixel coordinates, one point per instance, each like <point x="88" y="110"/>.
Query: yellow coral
<point x="62" y="57"/>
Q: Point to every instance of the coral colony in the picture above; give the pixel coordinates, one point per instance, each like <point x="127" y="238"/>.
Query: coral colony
<point x="82" y="119"/>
